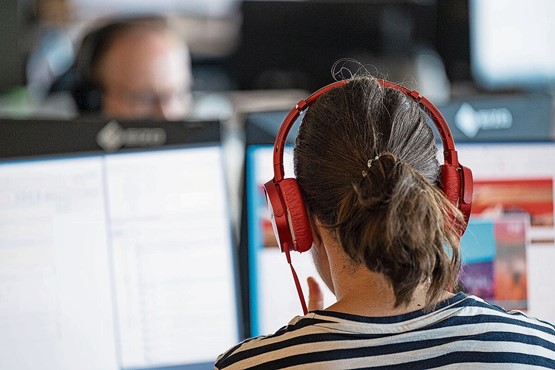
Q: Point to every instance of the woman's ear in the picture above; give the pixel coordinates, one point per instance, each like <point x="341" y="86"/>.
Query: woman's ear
<point x="314" y="225"/>
<point x="320" y="254"/>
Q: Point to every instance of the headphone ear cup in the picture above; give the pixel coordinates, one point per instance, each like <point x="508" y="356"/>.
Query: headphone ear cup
<point x="457" y="185"/>
<point x="87" y="96"/>
<point x="467" y="183"/>
<point x="299" y="223"/>
<point x="450" y="183"/>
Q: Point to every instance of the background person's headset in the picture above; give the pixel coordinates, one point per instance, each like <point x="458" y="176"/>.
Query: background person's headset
<point x="87" y="92"/>
<point x="78" y="80"/>
<point x="285" y="202"/>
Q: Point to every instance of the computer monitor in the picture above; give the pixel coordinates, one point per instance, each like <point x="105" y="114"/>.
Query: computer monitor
<point x="115" y="246"/>
<point x="293" y="44"/>
<point x="511" y="46"/>
<point x="508" y="249"/>
<point x="272" y="299"/>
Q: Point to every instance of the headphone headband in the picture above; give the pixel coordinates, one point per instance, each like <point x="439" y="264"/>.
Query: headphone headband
<point x="449" y="152"/>
<point x="456" y="180"/>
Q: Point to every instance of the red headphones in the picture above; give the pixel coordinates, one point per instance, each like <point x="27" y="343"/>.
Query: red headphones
<point x="285" y="202"/>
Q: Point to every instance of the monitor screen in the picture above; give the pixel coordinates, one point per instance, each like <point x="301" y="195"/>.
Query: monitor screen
<point x="508" y="248"/>
<point x="512" y="45"/>
<point x="115" y="260"/>
<point x="273" y="298"/>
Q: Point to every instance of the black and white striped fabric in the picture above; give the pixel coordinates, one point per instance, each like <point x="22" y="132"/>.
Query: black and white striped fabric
<point x="463" y="332"/>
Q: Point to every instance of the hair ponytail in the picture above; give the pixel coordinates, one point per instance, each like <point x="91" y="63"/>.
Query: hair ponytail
<point x="366" y="162"/>
<point x="386" y="222"/>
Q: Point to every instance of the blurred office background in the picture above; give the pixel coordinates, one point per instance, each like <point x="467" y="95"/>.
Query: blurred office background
<point x="448" y="49"/>
<point x="489" y="66"/>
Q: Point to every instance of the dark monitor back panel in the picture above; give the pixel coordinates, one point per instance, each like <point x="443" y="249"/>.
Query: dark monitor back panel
<point x="39" y="137"/>
<point x="115" y="246"/>
<point x="293" y="44"/>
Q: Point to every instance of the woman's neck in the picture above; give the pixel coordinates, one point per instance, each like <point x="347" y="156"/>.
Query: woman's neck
<point x="358" y="290"/>
<point x="363" y="292"/>
<point x="374" y="296"/>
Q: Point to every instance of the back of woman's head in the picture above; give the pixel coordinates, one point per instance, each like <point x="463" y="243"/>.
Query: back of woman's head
<point x="366" y="162"/>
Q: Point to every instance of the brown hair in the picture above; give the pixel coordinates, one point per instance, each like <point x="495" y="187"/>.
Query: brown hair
<point x="366" y="163"/>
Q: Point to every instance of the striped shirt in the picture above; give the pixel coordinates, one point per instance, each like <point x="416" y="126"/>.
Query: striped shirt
<point x="461" y="332"/>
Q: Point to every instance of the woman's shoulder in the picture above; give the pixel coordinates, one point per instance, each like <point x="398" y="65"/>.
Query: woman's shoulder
<point x="288" y="340"/>
<point x="256" y="346"/>
<point x="475" y="310"/>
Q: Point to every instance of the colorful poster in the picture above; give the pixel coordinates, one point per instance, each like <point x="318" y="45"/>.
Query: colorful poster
<point x="507" y="216"/>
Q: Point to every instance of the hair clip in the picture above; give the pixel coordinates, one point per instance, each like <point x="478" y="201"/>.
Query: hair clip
<point x="369" y="163"/>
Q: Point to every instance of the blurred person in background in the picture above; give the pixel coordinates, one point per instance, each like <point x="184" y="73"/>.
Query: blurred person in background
<point x="133" y="68"/>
